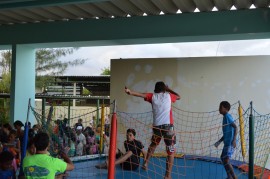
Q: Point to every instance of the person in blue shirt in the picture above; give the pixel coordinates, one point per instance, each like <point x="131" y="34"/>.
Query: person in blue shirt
<point x="229" y="130"/>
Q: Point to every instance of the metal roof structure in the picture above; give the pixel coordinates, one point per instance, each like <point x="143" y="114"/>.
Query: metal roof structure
<point x="97" y="85"/>
<point x="62" y="23"/>
<point x="36" y="11"/>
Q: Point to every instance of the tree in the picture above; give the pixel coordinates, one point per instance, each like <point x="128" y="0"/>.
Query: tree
<point x="4" y="102"/>
<point x="5" y="86"/>
<point x="86" y="92"/>
<point x="48" y="63"/>
<point x="5" y="62"/>
<point x="5" y="83"/>
<point x="106" y="71"/>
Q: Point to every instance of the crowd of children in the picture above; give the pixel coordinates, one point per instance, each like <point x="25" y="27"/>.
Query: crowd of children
<point x="10" y="149"/>
<point x="78" y="140"/>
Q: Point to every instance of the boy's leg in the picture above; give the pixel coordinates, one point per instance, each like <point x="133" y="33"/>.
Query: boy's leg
<point x="169" y="165"/>
<point x="104" y="165"/>
<point x="123" y="158"/>
<point x="170" y="141"/>
<point x="227" y="152"/>
<point x="156" y="138"/>
<point x="150" y="151"/>
<point x="229" y="169"/>
<point x="120" y="160"/>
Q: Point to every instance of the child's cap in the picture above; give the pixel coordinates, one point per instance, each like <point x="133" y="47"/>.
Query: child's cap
<point x="79" y="128"/>
<point x="132" y="131"/>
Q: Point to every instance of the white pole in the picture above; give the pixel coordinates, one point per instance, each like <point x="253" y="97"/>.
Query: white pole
<point x="74" y="94"/>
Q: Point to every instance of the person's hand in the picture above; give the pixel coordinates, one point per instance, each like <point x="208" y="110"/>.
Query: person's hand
<point x="62" y="175"/>
<point x="217" y="144"/>
<point x="167" y="87"/>
<point x="127" y="90"/>
<point x="234" y="144"/>
<point x="63" y="154"/>
<point x="66" y="150"/>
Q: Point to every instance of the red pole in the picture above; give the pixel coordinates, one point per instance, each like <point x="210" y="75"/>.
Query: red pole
<point x="112" y="150"/>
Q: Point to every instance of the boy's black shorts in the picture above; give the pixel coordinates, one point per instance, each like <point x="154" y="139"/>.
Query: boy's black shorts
<point x="130" y="164"/>
<point x="166" y="131"/>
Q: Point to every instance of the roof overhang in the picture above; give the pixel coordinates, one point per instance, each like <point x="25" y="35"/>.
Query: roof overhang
<point x="65" y="23"/>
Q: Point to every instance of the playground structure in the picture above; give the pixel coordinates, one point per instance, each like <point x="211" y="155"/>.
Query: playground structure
<point x="196" y="154"/>
<point x="55" y="30"/>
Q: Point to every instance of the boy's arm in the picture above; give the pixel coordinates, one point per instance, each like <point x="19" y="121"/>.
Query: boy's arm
<point x="134" y="93"/>
<point x="235" y="134"/>
<point x="61" y="176"/>
<point x="219" y="141"/>
<point x="173" y="92"/>
<point x="106" y="140"/>
<point x="70" y="165"/>
<point x="18" y="144"/>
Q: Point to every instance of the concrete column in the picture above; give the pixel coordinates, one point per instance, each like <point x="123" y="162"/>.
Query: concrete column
<point x="22" y="82"/>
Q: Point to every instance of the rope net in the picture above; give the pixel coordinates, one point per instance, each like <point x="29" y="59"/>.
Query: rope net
<point x="196" y="133"/>
<point x="60" y="122"/>
<point x="262" y="145"/>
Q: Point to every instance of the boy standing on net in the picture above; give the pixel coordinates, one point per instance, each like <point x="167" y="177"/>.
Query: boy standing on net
<point x="229" y="138"/>
<point x="161" y="101"/>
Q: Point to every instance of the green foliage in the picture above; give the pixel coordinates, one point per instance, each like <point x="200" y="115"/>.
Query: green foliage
<point x="48" y="61"/>
<point x="43" y="81"/>
<point x="4" y="110"/>
<point x="86" y="92"/>
<point x="106" y="71"/>
<point x="47" y="64"/>
<point x="5" y="61"/>
<point x="5" y="83"/>
<point x="5" y="67"/>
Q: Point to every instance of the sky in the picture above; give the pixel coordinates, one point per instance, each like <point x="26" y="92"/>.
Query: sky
<point x="99" y="57"/>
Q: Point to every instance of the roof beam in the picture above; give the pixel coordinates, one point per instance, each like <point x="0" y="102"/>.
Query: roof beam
<point x="186" y="27"/>
<point x="46" y="96"/>
<point x="43" y="3"/>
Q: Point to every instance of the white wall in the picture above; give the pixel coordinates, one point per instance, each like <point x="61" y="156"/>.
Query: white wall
<point x="202" y="83"/>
